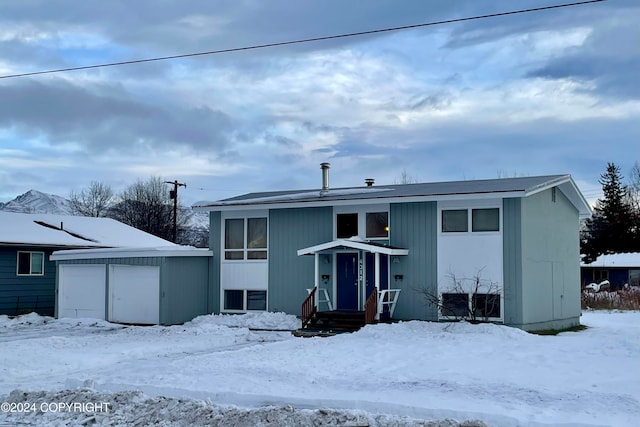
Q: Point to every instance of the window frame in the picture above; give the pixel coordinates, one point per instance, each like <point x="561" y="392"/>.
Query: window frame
<point x="245" y="300"/>
<point x="471" y="300"/>
<point x="366" y="224"/>
<point x="340" y="235"/>
<point x="466" y="223"/>
<point x="473" y="220"/>
<point x="30" y="253"/>
<point x="470" y="223"/>
<point x="246" y="253"/>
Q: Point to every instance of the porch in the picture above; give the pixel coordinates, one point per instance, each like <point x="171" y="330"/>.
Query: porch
<point x="357" y="291"/>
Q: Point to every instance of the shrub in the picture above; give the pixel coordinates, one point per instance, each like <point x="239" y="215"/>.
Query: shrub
<point x="625" y="299"/>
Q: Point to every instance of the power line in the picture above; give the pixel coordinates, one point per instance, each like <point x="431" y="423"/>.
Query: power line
<point x="309" y="40"/>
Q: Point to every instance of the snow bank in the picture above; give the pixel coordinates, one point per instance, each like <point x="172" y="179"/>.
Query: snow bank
<point x="134" y="408"/>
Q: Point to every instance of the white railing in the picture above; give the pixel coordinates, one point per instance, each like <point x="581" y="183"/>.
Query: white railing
<point x="388" y="297"/>
<point x="322" y="297"/>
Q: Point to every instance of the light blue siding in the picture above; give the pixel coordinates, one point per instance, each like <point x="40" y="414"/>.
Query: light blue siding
<point x="512" y="261"/>
<point x="215" y="239"/>
<point x="413" y="226"/>
<point x="289" y="274"/>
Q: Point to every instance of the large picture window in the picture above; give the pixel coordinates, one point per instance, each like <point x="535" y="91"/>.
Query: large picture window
<point x="245" y="238"/>
<point x="30" y="264"/>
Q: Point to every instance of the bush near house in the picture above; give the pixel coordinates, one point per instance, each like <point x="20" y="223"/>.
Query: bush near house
<point x="624" y="299"/>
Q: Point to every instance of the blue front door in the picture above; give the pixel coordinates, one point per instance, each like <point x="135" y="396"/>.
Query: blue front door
<point x="347" y="280"/>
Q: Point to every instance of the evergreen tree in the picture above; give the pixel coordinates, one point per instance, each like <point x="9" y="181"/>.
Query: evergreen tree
<point x="612" y="227"/>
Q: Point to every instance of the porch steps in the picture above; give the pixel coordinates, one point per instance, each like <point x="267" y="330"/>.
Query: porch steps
<point x="329" y="323"/>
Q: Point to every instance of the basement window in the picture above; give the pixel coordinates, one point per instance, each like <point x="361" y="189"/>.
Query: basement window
<point x="244" y="300"/>
<point x="486" y="305"/>
<point x="30" y="264"/>
<point x="455" y="305"/>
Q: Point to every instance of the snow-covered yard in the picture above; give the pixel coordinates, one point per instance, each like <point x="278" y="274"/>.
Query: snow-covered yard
<point x="216" y="371"/>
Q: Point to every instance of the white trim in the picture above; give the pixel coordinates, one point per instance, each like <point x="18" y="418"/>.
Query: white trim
<point x="30" y="262"/>
<point x="169" y="251"/>
<point x="352" y="244"/>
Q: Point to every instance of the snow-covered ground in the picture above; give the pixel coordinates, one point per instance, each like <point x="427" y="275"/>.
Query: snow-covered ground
<point x="215" y="370"/>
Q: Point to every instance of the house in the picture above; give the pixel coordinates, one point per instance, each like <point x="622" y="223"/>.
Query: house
<point x="507" y="249"/>
<point x="618" y="269"/>
<point x="28" y="276"/>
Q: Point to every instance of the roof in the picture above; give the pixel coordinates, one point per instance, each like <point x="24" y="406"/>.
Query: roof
<point x="503" y="187"/>
<point x="353" y="243"/>
<point x="162" y="251"/>
<point x="66" y="231"/>
<point x="629" y="259"/>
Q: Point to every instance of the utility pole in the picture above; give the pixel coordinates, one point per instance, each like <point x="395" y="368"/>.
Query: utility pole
<point x="173" y="194"/>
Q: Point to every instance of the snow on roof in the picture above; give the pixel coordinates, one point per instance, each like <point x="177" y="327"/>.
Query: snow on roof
<point x="72" y="231"/>
<point x="628" y="259"/>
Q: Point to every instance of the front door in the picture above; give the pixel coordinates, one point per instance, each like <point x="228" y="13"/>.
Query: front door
<point x="347" y="280"/>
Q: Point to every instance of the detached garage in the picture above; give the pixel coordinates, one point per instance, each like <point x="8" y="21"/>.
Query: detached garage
<point x="139" y="286"/>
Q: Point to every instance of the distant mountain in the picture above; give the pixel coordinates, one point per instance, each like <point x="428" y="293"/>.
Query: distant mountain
<point x="36" y="202"/>
<point x="196" y="232"/>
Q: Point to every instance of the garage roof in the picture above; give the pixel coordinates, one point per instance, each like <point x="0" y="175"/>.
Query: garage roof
<point x="72" y="232"/>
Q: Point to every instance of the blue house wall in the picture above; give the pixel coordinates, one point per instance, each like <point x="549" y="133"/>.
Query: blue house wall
<point x="25" y="294"/>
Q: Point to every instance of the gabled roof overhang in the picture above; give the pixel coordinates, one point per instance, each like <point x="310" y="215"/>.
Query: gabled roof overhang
<point x="362" y="245"/>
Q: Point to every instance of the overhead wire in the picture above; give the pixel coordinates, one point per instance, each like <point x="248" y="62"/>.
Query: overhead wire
<point x="300" y="41"/>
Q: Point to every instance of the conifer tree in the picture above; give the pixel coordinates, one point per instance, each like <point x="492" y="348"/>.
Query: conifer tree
<point x="611" y="229"/>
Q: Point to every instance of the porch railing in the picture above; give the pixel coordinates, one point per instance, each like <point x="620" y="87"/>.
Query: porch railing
<point x="388" y="297"/>
<point x="309" y="308"/>
<point x="371" y="307"/>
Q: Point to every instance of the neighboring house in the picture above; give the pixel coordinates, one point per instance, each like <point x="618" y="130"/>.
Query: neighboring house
<point x="28" y="277"/>
<point x="618" y="269"/>
<point x="519" y="236"/>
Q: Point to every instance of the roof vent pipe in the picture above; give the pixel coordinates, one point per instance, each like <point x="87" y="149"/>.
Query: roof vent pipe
<point x="369" y="181"/>
<point x="325" y="176"/>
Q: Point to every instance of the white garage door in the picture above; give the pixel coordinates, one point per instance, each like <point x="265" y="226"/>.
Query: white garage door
<point x="134" y="294"/>
<point x="81" y="291"/>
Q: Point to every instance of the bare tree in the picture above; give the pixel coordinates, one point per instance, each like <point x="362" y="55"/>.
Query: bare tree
<point x="146" y="205"/>
<point x="455" y="303"/>
<point x="95" y="200"/>
<point x="405" y="178"/>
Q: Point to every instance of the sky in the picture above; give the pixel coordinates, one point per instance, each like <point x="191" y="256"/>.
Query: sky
<point x="549" y="92"/>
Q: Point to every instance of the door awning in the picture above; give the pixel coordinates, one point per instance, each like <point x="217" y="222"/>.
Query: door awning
<point x="353" y="243"/>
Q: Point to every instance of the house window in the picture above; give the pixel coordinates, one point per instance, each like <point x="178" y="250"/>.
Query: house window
<point x="30" y="264"/>
<point x="485" y="219"/>
<point x="455" y="220"/>
<point x="233" y="299"/>
<point x="600" y="275"/>
<point x="455" y="305"/>
<point x="346" y="225"/>
<point x="377" y="224"/>
<point x="245" y="238"/>
<point x="243" y="300"/>
<point x="634" y="277"/>
<point x="486" y="305"/>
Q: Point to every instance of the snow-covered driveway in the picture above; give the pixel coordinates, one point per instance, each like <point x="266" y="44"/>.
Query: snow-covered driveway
<point x="429" y="371"/>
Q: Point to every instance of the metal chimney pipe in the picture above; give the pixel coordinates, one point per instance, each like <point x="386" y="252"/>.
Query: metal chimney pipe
<point x="369" y="181"/>
<point x="325" y="176"/>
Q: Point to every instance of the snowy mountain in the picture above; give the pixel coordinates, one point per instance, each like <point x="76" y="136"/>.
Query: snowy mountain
<point x="36" y="202"/>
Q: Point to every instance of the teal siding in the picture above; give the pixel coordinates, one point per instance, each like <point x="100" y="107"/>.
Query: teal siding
<point x="550" y="262"/>
<point x="215" y="239"/>
<point x="184" y="286"/>
<point x="289" y="274"/>
<point x="25" y="294"/>
<point x="413" y="226"/>
<point x="512" y="260"/>
<point x="184" y="283"/>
